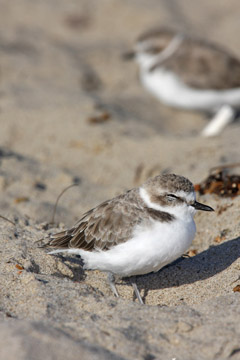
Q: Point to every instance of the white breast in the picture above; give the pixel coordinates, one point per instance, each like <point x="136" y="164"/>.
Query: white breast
<point x="149" y="250"/>
<point x="170" y="89"/>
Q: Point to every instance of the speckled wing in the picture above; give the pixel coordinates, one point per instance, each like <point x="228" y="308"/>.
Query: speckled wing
<point x="101" y="228"/>
<point x="203" y="65"/>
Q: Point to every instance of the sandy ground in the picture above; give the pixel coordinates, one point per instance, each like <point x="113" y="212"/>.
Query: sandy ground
<point x="60" y="70"/>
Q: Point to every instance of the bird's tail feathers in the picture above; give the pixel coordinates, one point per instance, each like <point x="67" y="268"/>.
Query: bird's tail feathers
<point x="69" y="251"/>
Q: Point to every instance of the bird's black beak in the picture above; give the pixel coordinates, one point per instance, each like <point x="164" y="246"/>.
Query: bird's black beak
<point x="199" y="206"/>
<point x="129" y="55"/>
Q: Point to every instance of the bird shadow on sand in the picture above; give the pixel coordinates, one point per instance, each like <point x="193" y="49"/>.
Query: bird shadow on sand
<point x="75" y="265"/>
<point x="189" y="270"/>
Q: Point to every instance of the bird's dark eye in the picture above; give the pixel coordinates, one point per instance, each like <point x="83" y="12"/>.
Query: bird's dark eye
<point x="155" y="50"/>
<point x="171" y="197"/>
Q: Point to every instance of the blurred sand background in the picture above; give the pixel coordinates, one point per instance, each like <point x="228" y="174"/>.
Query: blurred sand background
<point x="71" y="110"/>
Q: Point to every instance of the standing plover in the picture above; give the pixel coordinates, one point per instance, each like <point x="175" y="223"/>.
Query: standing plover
<point x="137" y="232"/>
<point x="190" y="73"/>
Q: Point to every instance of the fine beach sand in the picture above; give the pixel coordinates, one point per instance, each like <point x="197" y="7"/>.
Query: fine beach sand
<point x="72" y="111"/>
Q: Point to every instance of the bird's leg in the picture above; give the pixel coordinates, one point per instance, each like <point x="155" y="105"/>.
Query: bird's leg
<point x="137" y="293"/>
<point x="222" y="118"/>
<point x="111" y="281"/>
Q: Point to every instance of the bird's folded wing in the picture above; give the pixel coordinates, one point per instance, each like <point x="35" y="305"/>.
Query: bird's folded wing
<point x="101" y="228"/>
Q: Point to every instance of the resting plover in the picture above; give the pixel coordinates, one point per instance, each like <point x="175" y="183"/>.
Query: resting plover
<point x="137" y="232"/>
<point x="190" y="73"/>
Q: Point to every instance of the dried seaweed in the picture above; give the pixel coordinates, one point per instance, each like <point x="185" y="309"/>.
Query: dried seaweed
<point x="220" y="182"/>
